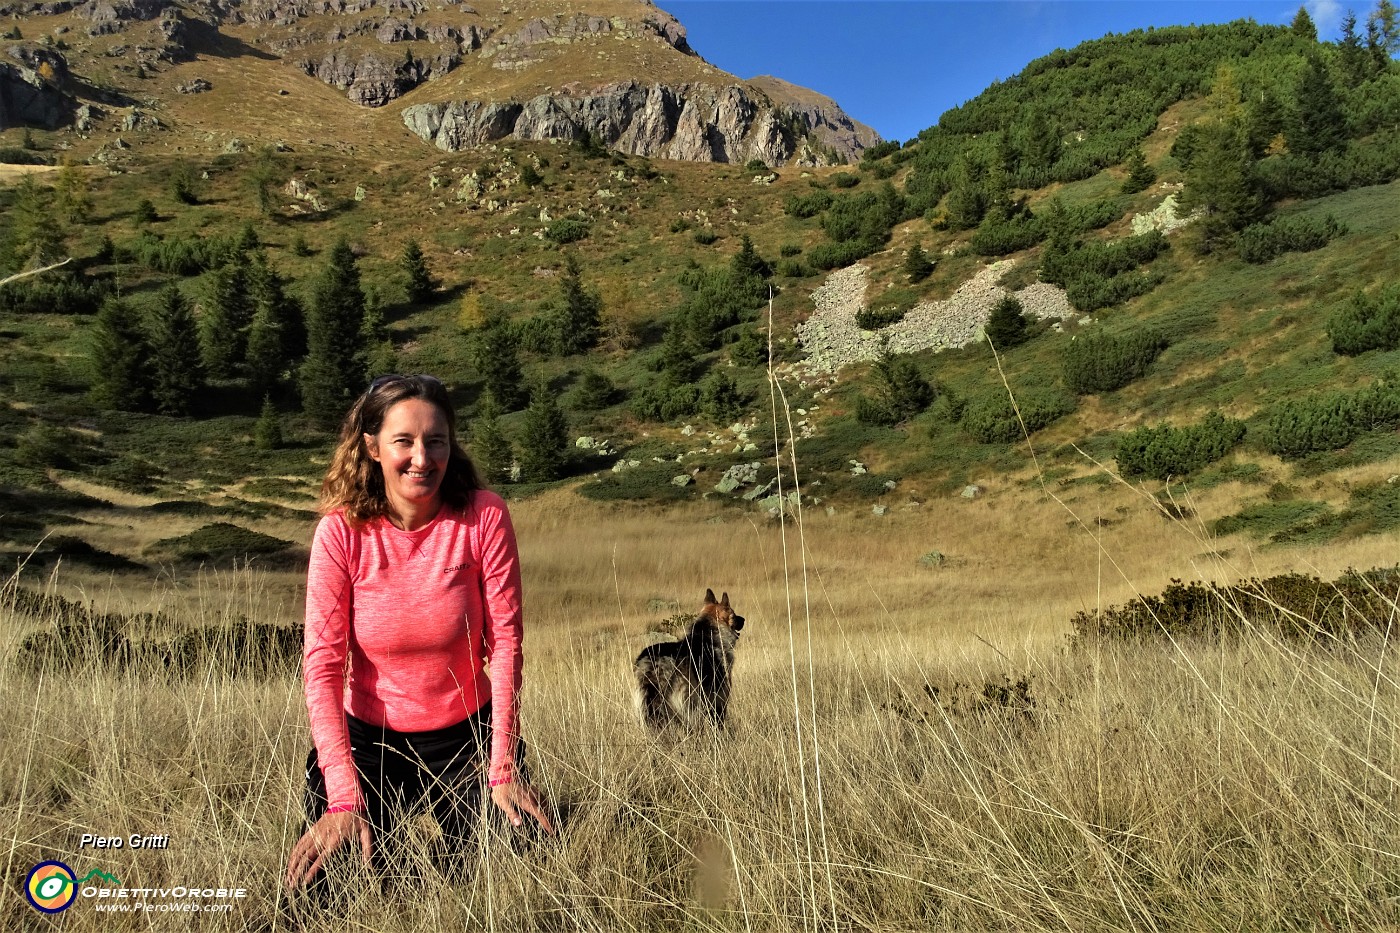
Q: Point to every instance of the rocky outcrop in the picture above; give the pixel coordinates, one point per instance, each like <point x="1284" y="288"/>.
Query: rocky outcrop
<point x="829" y="125"/>
<point x="109" y="16"/>
<point x="372" y="80"/>
<point x="27" y="99"/>
<point x="522" y="47"/>
<point x="692" y="122"/>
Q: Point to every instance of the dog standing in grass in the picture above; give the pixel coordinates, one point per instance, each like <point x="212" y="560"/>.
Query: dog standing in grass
<point x="686" y="683"/>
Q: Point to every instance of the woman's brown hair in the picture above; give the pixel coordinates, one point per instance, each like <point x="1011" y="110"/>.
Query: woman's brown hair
<point x="355" y="482"/>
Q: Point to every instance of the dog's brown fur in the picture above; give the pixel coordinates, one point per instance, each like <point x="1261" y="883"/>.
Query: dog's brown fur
<point x="685" y="684"/>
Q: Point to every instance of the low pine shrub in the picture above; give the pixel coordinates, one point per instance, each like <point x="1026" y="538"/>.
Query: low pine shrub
<point x="1368" y="322"/>
<point x="1166" y="451"/>
<point x="1102" y="362"/>
<point x="1292" y="605"/>
<point x="991" y="417"/>
<point x="1317" y="423"/>
<point x="1260" y="243"/>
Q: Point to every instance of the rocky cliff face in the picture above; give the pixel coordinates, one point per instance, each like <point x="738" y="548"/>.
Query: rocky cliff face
<point x="694" y="123"/>
<point x="669" y="102"/>
<point x="29" y="89"/>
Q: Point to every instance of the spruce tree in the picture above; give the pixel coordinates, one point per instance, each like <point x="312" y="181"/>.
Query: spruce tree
<point x="267" y="433"/>
<point x="1140" y="174"/>
<point x="544" y="440"/>
<point x="496" y="356"/>
<point x="277" y="334"/>
<point x="748" y="264"/>
<point x="35" y="237"/>
<point x="378" y="356"/>
<point x="1222" y="184"/>
<point x="177" y="373"/>
<point x="491" y="449"/>
<point x="119" y="355"/>
<point x="419" y="284"/>
<point x="1303" y="25"/>
<point x="576" y="317"/>
<point x="680" y="364"/>
<point x="917" y="265"/>
<point x="228" y="313"/>
<point x="333" y="374"/>
<point x="1319" y="125"/>
<point x="1008" y="326"/>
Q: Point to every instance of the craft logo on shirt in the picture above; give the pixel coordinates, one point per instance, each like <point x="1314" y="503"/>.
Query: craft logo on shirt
<point x="456" y="567"/>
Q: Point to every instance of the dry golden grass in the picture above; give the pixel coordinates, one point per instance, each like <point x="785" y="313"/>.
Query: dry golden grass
<point x="912" y="748"/>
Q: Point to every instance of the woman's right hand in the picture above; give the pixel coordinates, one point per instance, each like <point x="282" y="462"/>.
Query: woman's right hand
<point x="329" y="833"/>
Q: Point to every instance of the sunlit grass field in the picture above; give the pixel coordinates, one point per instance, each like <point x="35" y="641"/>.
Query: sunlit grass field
<point x="914" y="744"/>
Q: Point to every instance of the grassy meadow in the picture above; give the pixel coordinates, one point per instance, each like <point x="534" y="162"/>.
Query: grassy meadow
<point x="915" y="745"/>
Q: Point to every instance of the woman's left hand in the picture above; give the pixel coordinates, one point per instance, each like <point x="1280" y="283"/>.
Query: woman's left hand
<point x="516" y="798"/>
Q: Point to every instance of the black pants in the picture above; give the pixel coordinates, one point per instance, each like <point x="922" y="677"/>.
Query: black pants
<point x="401" y="774"/>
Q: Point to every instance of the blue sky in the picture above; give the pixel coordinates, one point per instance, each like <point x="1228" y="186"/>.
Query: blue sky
<point x="896" y="65"/>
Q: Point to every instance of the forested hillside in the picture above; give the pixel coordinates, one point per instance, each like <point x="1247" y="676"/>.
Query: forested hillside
<point x="1217" y="206"/>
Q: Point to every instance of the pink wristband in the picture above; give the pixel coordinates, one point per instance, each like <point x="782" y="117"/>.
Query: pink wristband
<point x="505" y="780"/>
<point x="344" y="808"/>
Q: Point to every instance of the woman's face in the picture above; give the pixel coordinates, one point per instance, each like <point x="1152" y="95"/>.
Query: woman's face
<point x="412" y="449"/>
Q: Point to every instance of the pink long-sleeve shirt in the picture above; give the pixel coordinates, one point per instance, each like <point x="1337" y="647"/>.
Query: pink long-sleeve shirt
<point x="413" y="630"/>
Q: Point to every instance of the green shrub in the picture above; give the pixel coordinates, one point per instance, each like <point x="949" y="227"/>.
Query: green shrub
<point x="809" y="205"/>
<point x="789" y="249"/>
<point x="792" y="269"/>
<point x="836" y="255"/>
<point x="1102" y="362"/>
<point x="757" y="166"/>
<point x="901" y="391"/>
<point x="218" y="542"/>
<point x="845" y="180"/>
<point x="567" y="230"/>
<point x="680" y="225"/>
<point x="1290" y="605"/>
<point x="1089" y="271"/>
<point x="1369" y="322"/>
<point x="1316" y="423"/>
<point x="1260" y="243"/>
<point x="1166" y="451"/>
<point x="991" y="418"/>
<point x="705" y="236"/>
<point x="998" y="237"/>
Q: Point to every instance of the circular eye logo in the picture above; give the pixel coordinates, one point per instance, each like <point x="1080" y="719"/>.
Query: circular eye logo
<point x="50" y="887"/>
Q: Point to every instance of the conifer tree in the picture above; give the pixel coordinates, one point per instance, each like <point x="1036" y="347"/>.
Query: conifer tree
<point x="119" y="355"/>
<point x="71" y="197"/>
<point x="277" y="334"/>
<point x="1319" y="125"/>
<point x="1007" y="326"/>
<point x="378" y="355"/>
<point x="544" y="440"/>
<point x="419" y="285"/>
<point x="1303" y="25"/>
<point x="228" y="313"/>
<point x="35" y="237"/>
<point x="679" y="356"/>
<point x="496" y="356"/>
<point x="1140" y="174"/>
<point x="748" y="264"/>
<point x="1221" y="183"/>
<point x="917" y="265"/>
<point x="1384" y="23"/>
<point x="491" y="449"/>
<point x="719" y="397"/>
<point x="177" y="373"/>
<point x="576" y="317"/>
<point x="333" y="373"/>
<point x="267" y="433"/>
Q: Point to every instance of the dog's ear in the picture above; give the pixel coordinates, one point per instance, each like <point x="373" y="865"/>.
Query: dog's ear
<point x="724" y="600"/>
<point x="709" y="597"/>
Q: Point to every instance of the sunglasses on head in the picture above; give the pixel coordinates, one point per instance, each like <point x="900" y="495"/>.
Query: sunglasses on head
<point x="392" y="378"/>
